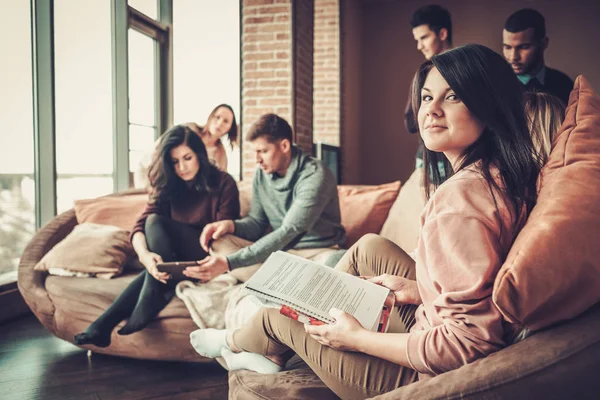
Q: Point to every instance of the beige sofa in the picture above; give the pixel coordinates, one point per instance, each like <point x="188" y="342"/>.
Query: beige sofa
<point x="67" y="305"/>
<point x="558" y="363"/>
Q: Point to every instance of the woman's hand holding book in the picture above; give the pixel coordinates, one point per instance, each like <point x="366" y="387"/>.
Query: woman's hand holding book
<point x="344" y="334"/>
<point x="405" y="290"/>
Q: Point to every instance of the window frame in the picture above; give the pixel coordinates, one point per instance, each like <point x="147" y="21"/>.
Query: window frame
<point x="123" y="18"/>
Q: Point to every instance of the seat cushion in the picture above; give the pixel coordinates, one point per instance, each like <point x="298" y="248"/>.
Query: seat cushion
<point x="79" y="301"/>
<point x="553" y="364"/>
<point x="403" y="223"/>
<point x="552" y="272"/>
<point x="300" y="383"/>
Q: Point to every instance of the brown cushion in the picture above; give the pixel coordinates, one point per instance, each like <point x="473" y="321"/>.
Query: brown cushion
<point x="299" y="383"/>
<point x="558" y="363"/>
<point x="121" y="211"/>
<point x="95" y="249"/>
<point x="552" y="272"/>
<point x="404" y="220"/>
<point x="365" y="208"/>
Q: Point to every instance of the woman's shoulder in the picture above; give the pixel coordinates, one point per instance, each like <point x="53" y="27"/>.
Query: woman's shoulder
<point x="466" y="180"/>
<point x="469" y="192"/>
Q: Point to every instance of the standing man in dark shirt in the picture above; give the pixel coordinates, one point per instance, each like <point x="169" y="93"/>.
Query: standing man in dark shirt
<point x="432" y="29"/>
<point x="524" y="41"/>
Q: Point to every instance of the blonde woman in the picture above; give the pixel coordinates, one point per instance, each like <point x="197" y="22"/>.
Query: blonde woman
<point x="545" y="114"/>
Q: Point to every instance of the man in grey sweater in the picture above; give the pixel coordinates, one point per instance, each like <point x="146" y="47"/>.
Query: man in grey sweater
<point x="293" y="193"/>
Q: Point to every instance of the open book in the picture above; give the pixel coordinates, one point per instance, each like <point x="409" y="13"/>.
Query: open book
<point x="306" y="291"/>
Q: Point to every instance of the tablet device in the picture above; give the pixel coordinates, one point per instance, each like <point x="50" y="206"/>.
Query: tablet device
<point x="175" y="268"/>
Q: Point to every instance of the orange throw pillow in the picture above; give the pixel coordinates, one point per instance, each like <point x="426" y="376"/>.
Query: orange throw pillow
<point x="365" y="208"/>
<point x="122" y="211"/>
<point x="91" y="249"/>
<point x="552" y="272"/>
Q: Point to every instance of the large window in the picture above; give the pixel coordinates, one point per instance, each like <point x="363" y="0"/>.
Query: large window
<point x="77" y="116"/>
<point x="83" y="96"/>
<point x="142" y="98"/>
<point x="17" y="197"/>
<point x="149" y="80"/>
<point x="206" y="63"/>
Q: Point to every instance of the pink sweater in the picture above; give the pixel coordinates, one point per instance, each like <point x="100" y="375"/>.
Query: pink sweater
<point x="463" y="242"/>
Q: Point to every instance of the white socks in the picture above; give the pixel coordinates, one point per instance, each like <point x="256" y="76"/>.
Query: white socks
<point x="251" y="361"/>
<point x="209" y="342"/>
<point x="212" y="343"/>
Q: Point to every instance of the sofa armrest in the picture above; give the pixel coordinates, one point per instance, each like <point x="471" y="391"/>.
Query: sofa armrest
<point x="557" y="363"/>
<point x="32" y="283"/>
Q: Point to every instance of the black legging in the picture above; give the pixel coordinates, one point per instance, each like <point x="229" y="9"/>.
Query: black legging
<point x="145" y="296"/>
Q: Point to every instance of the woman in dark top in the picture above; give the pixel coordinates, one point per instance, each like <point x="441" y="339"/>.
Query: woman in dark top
<point x="187" y="192"/>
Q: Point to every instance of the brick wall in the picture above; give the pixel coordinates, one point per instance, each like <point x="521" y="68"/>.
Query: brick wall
<point x="326" y="122"/>
<point x="273" y="80"/>
<point x="303" y="73"/>
<point x="268" y="68"/>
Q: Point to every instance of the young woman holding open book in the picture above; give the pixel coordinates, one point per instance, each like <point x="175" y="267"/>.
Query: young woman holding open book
<point x="471" y="118"/>
<point x="187" y="192"/>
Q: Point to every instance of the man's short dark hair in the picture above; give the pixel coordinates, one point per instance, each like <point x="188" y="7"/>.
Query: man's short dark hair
<point x="525" y="19"/>
<point x="272" y="127"/>
<point x="437" y="17"/>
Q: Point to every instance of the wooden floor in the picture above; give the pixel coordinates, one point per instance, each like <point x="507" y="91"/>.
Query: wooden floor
<point x="36" y="365"/>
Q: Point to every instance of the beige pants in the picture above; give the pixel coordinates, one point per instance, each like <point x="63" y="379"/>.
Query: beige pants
<point x="350" y="375"/>
<point x="229" y="244"/>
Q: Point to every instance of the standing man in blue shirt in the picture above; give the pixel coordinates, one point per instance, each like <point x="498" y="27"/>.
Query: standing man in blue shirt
<point x="524" y="41"/>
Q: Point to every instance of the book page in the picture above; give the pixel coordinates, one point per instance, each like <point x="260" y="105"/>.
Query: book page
<point x="315" y="288"/>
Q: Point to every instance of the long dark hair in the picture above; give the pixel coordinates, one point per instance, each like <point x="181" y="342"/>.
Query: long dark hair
<point x="165" y="184"/>
<point x="232" y="134"/>
<point x="488" y="87"/>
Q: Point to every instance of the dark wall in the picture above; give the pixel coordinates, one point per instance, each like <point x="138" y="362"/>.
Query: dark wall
<point x="389" y="59"/>
<point x="351" y="47"/>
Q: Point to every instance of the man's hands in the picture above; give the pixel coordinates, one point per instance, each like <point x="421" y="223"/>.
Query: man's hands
<point x="341" y="335"/>
<point x="215" y="230"/>
<point x="149" y="261"/>
<point x="404" y="289"/>
<point x="208" y="268"/>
